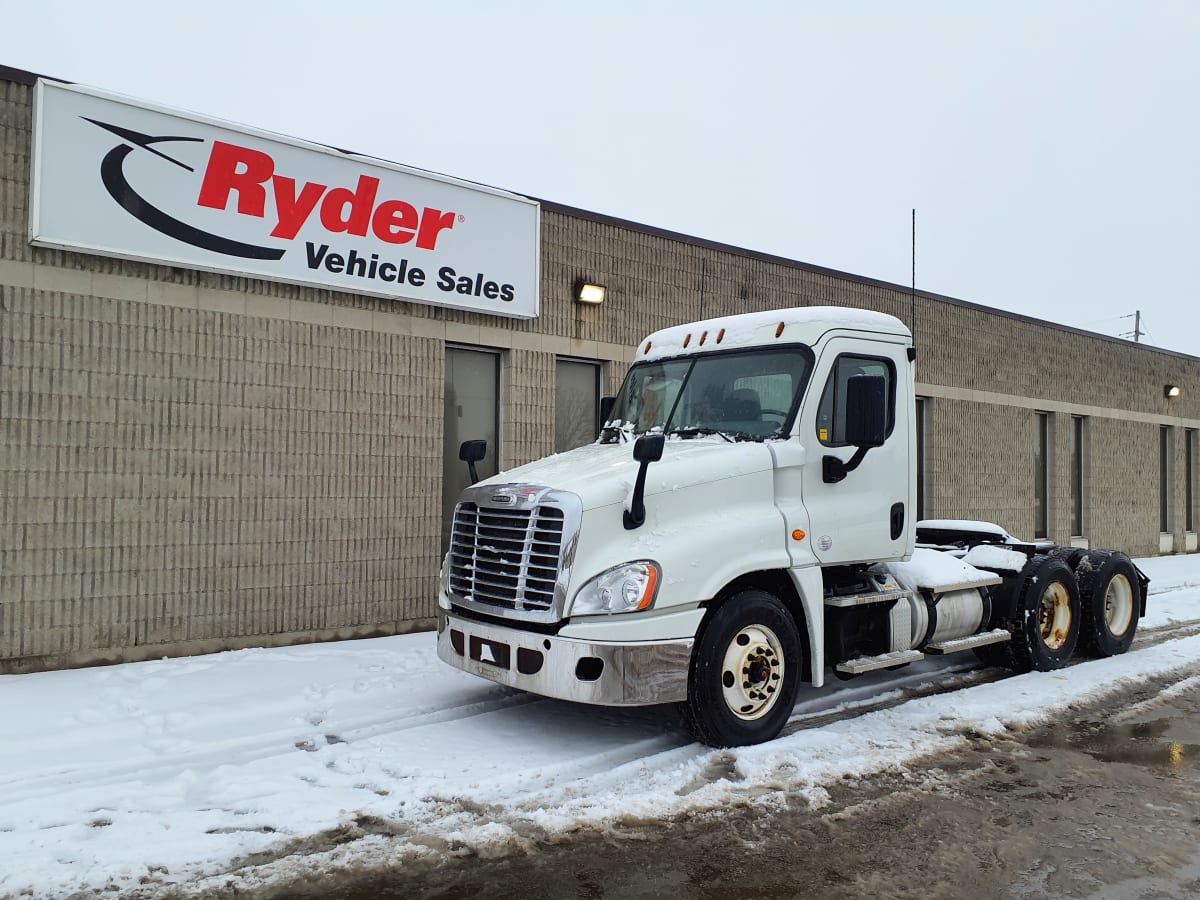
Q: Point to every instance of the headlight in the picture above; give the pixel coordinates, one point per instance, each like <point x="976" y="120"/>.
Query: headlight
<point x="630" y="587"/>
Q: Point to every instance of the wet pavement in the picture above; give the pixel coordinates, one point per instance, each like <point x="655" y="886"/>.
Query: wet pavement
<point x="1104" y="804"/>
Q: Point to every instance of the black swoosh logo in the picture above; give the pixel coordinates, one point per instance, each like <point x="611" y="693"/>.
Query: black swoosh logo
<point x="113" y="175"/>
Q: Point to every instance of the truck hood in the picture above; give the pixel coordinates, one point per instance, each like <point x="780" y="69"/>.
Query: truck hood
<point x="603" y="474"/>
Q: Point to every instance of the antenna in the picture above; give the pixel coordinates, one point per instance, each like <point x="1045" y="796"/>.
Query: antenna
<point x="913" y="316"/>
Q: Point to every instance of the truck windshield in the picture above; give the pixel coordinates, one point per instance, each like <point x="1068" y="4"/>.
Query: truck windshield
<point x="741" y="396"/>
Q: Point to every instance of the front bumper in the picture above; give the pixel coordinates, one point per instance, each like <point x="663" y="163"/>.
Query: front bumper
<point x="607" y="674"/>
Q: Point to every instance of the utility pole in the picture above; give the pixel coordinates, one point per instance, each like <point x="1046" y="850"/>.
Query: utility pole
<point x="1136" y="315"/>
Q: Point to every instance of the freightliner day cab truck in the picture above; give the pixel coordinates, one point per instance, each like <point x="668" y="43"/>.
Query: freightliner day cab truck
<point x="744" y="524"/>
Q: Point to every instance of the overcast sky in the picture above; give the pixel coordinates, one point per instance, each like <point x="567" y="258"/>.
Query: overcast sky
<point x="1051" y="149"/>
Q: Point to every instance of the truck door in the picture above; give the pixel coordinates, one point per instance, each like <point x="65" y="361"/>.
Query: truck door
<point x="866" y="516"/>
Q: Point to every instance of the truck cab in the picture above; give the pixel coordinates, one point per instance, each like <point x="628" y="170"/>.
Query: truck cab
<point x="744" y="522"/>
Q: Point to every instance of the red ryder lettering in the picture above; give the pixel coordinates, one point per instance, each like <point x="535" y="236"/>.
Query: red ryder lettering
<point x="241" y="170"/>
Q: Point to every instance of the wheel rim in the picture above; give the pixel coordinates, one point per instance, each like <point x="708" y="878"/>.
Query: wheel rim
<point x="1118" y="605"/>
<point x="752" y="672"/>
<point x="1055" y="619"/>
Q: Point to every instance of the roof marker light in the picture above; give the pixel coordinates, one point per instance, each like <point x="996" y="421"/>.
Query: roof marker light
<point x="703" y="338"/>
<point x="647" y="348"/>
<point x="779" y="330"/>
<point x="720" y="335"/>
<point x="687" y="340"/>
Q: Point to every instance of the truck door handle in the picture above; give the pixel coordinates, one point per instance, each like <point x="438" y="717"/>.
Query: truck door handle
<point x="897" y="519"/>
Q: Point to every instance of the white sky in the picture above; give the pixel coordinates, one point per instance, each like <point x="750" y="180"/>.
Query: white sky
<point x="1051" y="149"/>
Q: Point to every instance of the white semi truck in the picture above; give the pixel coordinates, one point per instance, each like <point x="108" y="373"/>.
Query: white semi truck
<point x="745" y="524"/>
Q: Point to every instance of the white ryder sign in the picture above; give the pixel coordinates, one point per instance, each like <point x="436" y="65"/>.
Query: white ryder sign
<point x="122" y="178"/>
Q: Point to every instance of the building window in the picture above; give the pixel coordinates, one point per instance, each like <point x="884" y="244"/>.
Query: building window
<point x="1164" y="478"/>
<point x="1078" y="424"/>
<point x="576" y="403"/>
<point x="1189" y="479"/>
<point x="1041" y="475"/>
<point x="922" y="406"/>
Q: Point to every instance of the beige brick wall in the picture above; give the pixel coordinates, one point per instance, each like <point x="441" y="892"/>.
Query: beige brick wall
<point x="192" y="461"/>
<point x="171" y="475"/>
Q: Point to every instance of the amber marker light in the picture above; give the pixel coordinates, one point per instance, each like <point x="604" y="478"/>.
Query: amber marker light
<point x="703" y="338"/>
<point x="647" y="350"/>
<point x="779" y="330"/>
<point x="720" y="335"/>
<point x="687" y="340"/>
<point x="651" y="588"/>
<point x="798" y="535"/>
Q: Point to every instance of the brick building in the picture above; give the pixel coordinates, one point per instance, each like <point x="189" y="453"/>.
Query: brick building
<point x="193" y="460"/>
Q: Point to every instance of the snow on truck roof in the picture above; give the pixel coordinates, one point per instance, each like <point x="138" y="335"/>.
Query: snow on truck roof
<point x="804" y="324"/>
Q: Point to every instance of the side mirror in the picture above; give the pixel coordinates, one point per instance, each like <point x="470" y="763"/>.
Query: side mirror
<point x="606" y="405"/>
<point x="647" y="449"/>
<point x="866" y="424"/>
<point x="866" y="410"/>
<point x="472" y="452"/>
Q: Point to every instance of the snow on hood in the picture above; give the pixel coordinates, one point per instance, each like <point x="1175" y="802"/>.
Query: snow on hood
<point x="603" y="474"/>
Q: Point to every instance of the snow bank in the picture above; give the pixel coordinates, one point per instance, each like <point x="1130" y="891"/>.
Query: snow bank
<point x="164" y="773"/>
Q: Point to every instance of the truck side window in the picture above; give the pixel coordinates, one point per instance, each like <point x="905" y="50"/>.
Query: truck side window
<point x="831" y="414"/>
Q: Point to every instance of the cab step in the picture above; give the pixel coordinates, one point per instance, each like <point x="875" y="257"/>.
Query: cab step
<point x="883" y="661"/>
<point x="970" y="642"/>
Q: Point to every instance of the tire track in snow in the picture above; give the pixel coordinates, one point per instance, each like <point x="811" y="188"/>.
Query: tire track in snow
<point x="34" y="786"/>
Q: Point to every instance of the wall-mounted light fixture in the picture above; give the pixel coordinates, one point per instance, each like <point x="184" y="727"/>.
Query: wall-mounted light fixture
<point x="590" y="293"/>
<point x="1172" y="390"/>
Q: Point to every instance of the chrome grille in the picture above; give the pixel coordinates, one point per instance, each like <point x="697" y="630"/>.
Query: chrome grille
<point x="506" y="557"/>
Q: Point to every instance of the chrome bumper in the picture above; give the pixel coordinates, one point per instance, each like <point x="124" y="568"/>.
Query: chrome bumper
<point x="629" y="674"/>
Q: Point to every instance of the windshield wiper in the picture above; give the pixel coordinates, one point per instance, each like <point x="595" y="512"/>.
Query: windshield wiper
<point x="697" y="430"/>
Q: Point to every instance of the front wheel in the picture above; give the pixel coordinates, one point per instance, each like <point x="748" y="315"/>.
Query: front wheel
<point x="745" y="671"/>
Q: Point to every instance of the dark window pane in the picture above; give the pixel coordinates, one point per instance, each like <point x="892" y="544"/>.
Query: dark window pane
<point x="1041" y="447"/>
<point x="1164" y="518"/>
<point x="471" y="412"/>
<point x="1077" y="476"/>
<point x="921" y="403"/>
<point x="1189" y="487"/>
<point x="576" y="404"/>
<point x="831" y="414"/>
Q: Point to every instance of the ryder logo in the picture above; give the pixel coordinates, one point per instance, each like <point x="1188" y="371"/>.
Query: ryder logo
<point x="112" y="173"/>
<point x="246" y="176"/>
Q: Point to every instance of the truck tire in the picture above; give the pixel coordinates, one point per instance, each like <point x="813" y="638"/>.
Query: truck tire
<point x="1047" y="628"/>
<point x="744" y="673"/>
<point x="1109" y="594"/>
<point x="1070" y="555"/>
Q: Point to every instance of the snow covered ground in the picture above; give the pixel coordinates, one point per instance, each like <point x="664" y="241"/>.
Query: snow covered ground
<point x="258" y="765"/>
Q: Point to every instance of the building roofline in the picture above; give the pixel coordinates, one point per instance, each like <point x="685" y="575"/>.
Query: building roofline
<point x="21" y="76"/>
<point x="654" y="231"/>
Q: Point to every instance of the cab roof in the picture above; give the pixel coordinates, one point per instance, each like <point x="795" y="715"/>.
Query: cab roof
<point x="803" y="325"/>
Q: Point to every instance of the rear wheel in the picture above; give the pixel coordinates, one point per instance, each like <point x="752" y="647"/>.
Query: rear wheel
<point x="1109" y="594"/>
<point x="745" y="671"/>
<point x="1048" y="624"/>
